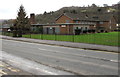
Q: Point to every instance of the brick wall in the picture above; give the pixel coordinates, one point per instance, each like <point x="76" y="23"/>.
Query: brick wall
<point x="63" y="19"/>
<point x="32" y="18"/>
<point x="65" y="29"/>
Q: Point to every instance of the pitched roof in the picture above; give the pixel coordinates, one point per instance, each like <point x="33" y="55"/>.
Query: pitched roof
<point x="89" y="16"/>
<point x="5" y="26"/>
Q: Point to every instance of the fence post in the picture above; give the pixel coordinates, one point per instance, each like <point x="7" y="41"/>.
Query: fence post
<point x="30" y="34"/>
<point x="42" y="36"/>
<point x="39" y="35"/>
<point x="5" y="33"/>
<point x="55" y="37"/>
<point x="73" y="38"/>
<point x="9" y="33"/>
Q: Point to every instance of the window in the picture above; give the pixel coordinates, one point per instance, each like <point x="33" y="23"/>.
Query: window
<point x="67" y="21"/>
<point x="95" y="17"/>
<point x="110" y="21"/>
<point x="85" y="22"/>
<point x="81" y="22"/>
<point x="110" y="27"/>
<point x="63" y="25"/>
<point x="76" y="21"/>
<point x="50" y="27"/>
<point x="81" y="28"/>
<point x="85" y="28"/>
<point x="77" y="27"/>
<point x="101" y="22"/>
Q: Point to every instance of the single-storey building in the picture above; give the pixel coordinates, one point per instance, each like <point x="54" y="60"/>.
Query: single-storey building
<point x="5" y="27"/>
<point x="70" y="23"/>
<point x="64" y="28"/>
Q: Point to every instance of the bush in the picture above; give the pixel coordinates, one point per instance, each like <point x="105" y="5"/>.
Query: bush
<point x="85" y="31"/>
<point x="89" y="31"/>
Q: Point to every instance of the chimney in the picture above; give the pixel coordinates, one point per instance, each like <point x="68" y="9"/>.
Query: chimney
<point x="32" y="18"/>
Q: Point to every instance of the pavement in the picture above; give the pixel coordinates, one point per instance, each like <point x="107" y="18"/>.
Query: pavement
<point x="67" y="44"/>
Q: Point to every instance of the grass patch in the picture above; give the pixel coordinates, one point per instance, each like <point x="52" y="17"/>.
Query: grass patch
<point x="7" y="33"/>
<point x="110" y="39"/>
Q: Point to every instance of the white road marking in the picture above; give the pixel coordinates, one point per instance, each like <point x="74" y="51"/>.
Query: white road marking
<point x="114" y="61"/>
<point x="83" y="62"/>
<point x="3" y="72"/>
<point x="30" y="66"/>
<point x="73" y="54"/>
<point x="13" y="70"/>
<point x="77" y="55"/>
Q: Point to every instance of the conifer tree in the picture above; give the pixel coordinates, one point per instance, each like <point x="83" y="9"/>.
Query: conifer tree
<point x="22" y="24"/>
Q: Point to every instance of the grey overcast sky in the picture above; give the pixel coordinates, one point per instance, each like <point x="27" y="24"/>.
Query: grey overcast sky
<point x="8" y="8"/>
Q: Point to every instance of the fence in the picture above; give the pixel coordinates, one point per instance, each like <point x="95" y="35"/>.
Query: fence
<point x="95" y="38"/>
<point x="7" y="33"/>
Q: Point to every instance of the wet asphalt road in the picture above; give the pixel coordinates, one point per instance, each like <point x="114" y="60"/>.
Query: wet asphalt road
<point x="79" y="61"/>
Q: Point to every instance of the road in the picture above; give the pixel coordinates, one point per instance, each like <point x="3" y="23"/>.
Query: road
<point x="6" y="69"/>
<point x="73" y="60"/>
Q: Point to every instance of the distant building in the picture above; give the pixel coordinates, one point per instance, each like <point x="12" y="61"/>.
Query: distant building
<point x="105" y="5"/>
<point x="6" y="24"/>
<point x="69" y="23"/>
<point x="5" y="27"/>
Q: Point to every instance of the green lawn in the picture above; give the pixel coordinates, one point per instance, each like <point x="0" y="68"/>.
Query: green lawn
<point x="7" y="33"/>
<point x="98" y="38"/>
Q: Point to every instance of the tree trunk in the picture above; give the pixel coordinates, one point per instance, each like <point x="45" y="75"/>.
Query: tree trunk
<point x="19" y="33"/>
<point x="14" y="33"/>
